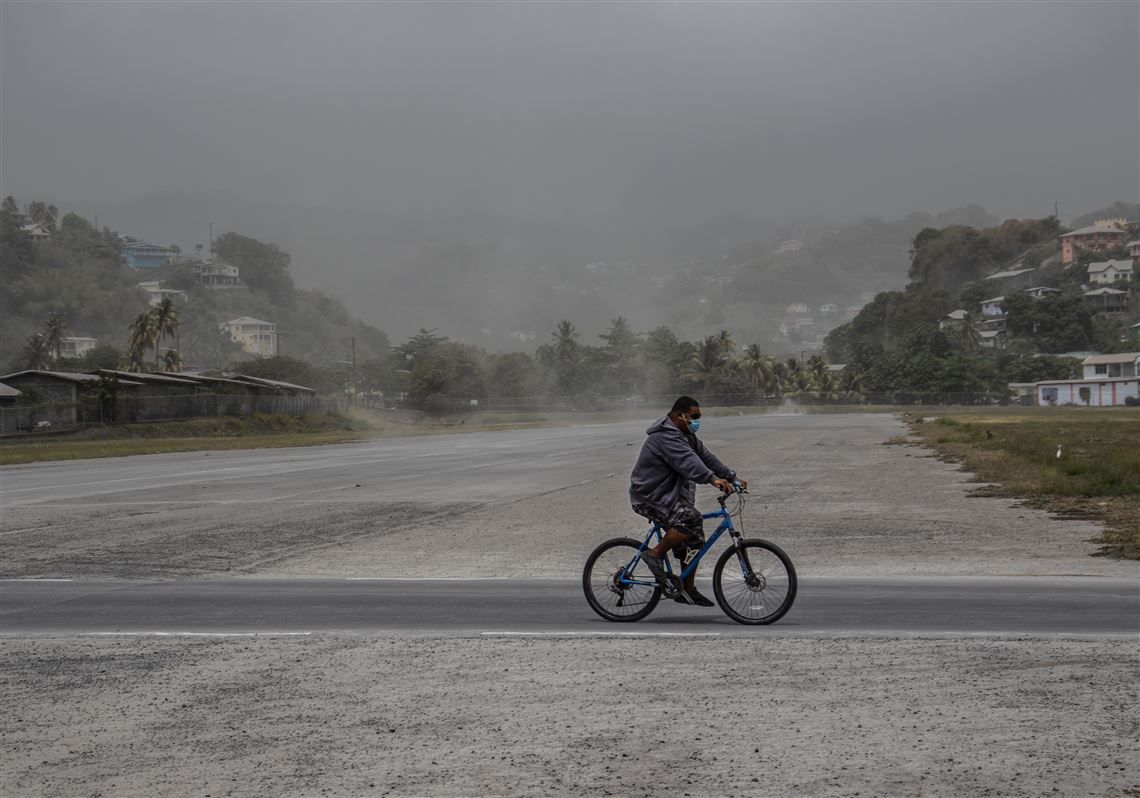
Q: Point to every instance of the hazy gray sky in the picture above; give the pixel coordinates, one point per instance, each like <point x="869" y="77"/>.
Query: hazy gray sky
<point x="582" y="112"/>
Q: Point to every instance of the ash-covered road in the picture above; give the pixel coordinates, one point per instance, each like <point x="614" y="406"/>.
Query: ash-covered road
<point x="400" y="617"/>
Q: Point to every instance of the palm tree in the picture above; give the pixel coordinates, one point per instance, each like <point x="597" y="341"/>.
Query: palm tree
<point x="165" y="323"/>
<point x="783" y="372"/>
<point x="36" y="352"/>
<point x="53" y="335"/>
<point x="567" y="354"/>
<point x="758" y="365"/>
<point x="171" y="360"/>
<point x="143" y="334"/>
<point x="817" y="366"/>
<point x="706" y="364"/>
<point x="726" y="342"/>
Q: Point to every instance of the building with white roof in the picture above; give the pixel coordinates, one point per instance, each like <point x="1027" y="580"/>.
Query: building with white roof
<point x="1110" y="272"/>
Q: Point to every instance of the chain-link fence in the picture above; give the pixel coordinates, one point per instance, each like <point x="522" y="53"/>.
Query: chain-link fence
<point x="89" y="410"/>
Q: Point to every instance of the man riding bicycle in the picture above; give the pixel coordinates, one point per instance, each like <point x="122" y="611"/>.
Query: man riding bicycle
<point x="662" y="488"/>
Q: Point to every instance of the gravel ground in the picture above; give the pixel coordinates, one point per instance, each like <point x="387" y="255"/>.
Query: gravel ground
<point x="764" y="714"/>
<point x="458" y="716"/>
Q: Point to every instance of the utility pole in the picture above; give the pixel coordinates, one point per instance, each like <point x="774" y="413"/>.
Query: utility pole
<point x="211" y="239"/>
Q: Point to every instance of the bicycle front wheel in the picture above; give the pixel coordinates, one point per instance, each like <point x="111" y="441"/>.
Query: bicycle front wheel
<point x="755" y="582"/>
<point x="618" y="585"/>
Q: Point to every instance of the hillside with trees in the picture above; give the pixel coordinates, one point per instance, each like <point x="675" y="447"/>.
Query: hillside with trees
<point x="75" y="283"/>
<point x="715" y="330"/>
<point x="904" y="341"/>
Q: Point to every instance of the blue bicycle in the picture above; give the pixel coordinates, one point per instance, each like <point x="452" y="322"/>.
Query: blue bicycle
<point x="754" y="581"/>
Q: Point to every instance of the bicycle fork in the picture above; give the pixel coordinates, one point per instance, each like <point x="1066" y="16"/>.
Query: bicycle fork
<point x="751" y="578"/>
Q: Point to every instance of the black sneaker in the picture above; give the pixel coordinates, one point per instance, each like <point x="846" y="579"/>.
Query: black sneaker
<point x="656" y="566"/>
<point x="694" y="597"/>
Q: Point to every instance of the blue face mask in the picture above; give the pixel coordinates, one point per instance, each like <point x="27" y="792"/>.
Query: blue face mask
<point x="694" y="424"/>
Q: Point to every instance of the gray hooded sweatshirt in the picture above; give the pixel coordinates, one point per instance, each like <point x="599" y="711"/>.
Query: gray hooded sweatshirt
<point x="669" y="463"/>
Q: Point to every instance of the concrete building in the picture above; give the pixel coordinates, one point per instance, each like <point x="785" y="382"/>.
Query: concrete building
<point x="215" y="274"/>
<point x="144" y="255"/>
<point x="1109" y="380"/>
<point x="1097" y="237"/>
<point x="256" y="337"/>
<point x="76" y="346"/>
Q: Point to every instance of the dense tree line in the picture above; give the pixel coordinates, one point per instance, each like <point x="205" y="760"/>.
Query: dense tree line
<point x="436" y="374"/>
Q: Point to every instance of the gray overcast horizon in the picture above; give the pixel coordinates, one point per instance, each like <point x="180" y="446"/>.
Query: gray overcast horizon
<point x="587" y="113"/>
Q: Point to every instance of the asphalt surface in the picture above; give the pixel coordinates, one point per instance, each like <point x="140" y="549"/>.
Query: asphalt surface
<point x="1074" y="606"/>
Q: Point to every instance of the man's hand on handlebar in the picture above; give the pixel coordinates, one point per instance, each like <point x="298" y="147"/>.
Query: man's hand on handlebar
<point x="723" y="484"/>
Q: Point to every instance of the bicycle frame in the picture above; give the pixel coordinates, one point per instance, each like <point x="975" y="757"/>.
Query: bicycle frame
<point x="657" y="531"/>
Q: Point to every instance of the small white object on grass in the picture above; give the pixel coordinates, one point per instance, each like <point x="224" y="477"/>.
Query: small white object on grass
<point x="1058" y="451"/>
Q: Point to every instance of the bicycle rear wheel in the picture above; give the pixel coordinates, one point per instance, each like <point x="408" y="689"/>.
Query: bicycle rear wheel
<point x="755" y="582"/>
<point x="618" y="585"/>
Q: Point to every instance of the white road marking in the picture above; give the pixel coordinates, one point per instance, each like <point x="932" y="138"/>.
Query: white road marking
<point x="600" y="634"/>
<point x="36" y="579"/>
<point x="194" y="634"/>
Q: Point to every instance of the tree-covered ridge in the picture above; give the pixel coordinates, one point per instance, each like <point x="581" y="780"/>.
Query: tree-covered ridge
<point x="904" y="340"/>
<point x="77" y="279"/>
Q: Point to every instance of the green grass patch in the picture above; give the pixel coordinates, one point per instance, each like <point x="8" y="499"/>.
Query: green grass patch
<point x="1082" y="462"/>
<point x="120" y="440"/>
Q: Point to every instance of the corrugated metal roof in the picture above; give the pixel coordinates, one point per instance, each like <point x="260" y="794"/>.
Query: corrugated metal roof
<point x="1084" y="231"/>
<point x="1102" y="360"/>
<point x="1009" y="273"/>
<point x="1103" y="292"/>
<point x="148" y="376"/>
<point x="70" y="376"/>
<point x="1120" y="265"/>
<point x="273" y="383"/>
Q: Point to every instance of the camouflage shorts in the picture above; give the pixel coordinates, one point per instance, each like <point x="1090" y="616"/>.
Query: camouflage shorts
<point x="682" y="516"/>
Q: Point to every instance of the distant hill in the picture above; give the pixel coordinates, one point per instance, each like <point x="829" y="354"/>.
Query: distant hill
<point x="505" y="284"/>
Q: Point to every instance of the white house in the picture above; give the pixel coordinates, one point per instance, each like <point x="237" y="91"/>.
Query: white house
<point x="1123" y="364"/>
<point x="1110" y="272"/>
<point x="35" y="231"/>
<point x="215" y="274"/>
<point x="255" y="336"/>
<point x="796" y="307"/>
<point x="953" y="320"/>
<point x="157" y="293"/>
<point x="76" y="346"/>
<point x="992" y="307"/>
<point x="1037" y="292"/>
<point x="1109" y="380"/>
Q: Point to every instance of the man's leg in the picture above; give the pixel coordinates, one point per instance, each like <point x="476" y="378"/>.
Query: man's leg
<point x="673" y="538"/>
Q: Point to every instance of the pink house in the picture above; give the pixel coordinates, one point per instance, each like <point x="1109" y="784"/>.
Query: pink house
<point x="1104" y="234"/>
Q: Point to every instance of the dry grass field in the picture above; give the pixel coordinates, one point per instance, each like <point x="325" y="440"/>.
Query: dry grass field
<point x="1071" y="461"/>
